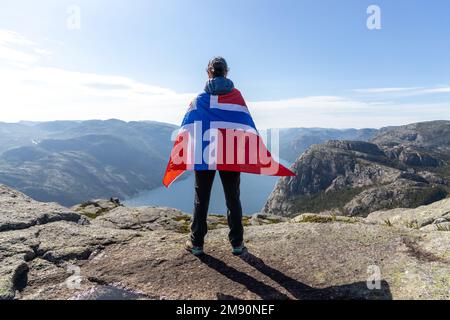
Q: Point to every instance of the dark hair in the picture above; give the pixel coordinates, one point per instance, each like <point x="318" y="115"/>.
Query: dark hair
<point x="218" y="66"/>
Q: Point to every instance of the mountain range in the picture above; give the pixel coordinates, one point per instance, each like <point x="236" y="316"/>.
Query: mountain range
<point x="405" y="166"/>
<point x="294" y="141"/>
<point x="350" y="171"/>
<point x="73" y="161"/>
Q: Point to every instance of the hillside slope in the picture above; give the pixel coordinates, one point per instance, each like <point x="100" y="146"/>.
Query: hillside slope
<point x="403" y="167"/>
<point x="72" y="161"/>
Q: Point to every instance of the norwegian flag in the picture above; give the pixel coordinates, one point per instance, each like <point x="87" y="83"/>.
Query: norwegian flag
<point x="218" y="133"/>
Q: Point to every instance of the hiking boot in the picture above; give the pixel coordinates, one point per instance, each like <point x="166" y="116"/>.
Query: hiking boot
<point x="196" y="251"/>
<point x="237" y="251"/>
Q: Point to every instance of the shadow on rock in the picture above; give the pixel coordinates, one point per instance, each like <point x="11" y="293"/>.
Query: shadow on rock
<point x="254" y="285"/>
<point x="301" y="291"/>
<point x="109" y="292"/>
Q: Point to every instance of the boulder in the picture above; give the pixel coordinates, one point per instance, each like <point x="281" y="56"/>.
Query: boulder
<point x="433" y="217"/>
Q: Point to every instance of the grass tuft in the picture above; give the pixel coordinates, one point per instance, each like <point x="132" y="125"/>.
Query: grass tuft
<point x="413" y="224"/>
<point x="441" y="227"/>
<point x="388" y="223"/>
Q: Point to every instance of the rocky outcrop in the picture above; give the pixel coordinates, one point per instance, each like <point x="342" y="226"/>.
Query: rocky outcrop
<point x="49" y="248"/>
<point x="412" y="157"/>
<point x="124" y="253"/>
<point x="111" y="214"/>
<point x="355" y="178"/>
<point x="144" y="219"/>
<point x="19" y="211"/>
<point x="97" y="207"/>
<point x="434" y="217"/>
<point x="399" y="193"/>
<point x="429" y="135"/>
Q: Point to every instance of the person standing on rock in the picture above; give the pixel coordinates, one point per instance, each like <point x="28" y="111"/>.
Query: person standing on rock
<point x="219" y="111"/>
<point x="218" y="84"/>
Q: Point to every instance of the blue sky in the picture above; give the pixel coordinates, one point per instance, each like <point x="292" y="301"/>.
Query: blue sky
<point x="298" y="63"/>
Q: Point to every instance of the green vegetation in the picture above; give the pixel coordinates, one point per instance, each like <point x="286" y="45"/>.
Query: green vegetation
<point x="324" y="201"/>
<point x="441" y="227"/>
<point x="317" y="218"/>
<point x="89" y="213"/>
<point x="272" y="221"/>
<point x="413" y="224"/>
<point x="182" y="218"/>
<point x="216" y="225"/>
<point x="246" y="221"/>
<point x="428" y="196"/>
<point x="443" y="170"/>
<point x="185" y="227"/>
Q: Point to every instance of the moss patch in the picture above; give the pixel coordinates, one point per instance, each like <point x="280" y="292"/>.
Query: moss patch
<point x="440" y="227"/>
<point x="182" y="218"/>
<point x="246" y="221"/>
<point x="185" y="228"/>
<point x="317" y="218"/>
<point x="412" y="224"/>
<point x="90" y="215"/>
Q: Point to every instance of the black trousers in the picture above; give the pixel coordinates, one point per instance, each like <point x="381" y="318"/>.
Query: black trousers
<point x="203" y="184"/>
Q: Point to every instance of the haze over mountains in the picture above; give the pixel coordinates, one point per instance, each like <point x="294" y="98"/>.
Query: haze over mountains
<point x="70" y="162"/>
<point x="73" y="161"/>
<point x="294" y="141"/>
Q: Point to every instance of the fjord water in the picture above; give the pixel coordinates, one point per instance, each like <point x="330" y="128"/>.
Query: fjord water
<point x="254" y="192"/>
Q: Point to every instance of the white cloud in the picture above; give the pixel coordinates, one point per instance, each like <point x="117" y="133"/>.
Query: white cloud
<point x="13" y="55"/>
<point x="36" y="93"/>
<point x="32" y="92"/>
<point x="42" y="52"/>
<point x="8" y="37"/>
<point x="404" y="91"/>
<point x="341" y="112"/>
<point x="40" y="94"/>
<point x="324" y="103"/>
<point x="387" y="90"/>
<point x="14" y="48"/>
<point x="437" y="90"/>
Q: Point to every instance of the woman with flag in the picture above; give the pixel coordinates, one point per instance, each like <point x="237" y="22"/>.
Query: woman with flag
<point x="218" y="134"/>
